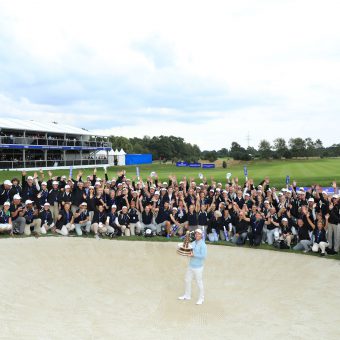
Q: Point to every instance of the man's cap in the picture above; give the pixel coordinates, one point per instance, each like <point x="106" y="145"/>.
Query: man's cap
<point x="284" y="219"/>
<point x="174" y="208"/>
<point x="124" y="207"/>
<point x="113" y="206"/>
<point x="16" y="197"/>
<point x="156" y="192"/>
<point x="199" y="231"/>
<point x="67" y="186"/>
<point x="311" y="199"/>
<point x="266" y="202"/>
<point x="29" y="177"/>
<point x="47" y="204"/>
<point x="7" y="203"/>
<point x="335" y="196"/>
<point x="43" y="183"/>
<point x="7" y="182"/>
<point x="55" y="183"/>
<point x="97" y="183"/>
<point x="28" y="202"/>
<point x="163" y="189"/>
<point x="63" y="177"/>
<point x="83" y="203"/>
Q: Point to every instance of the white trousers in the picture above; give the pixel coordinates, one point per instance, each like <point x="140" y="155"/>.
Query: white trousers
<point x="322" y="246"/>
<point x="197" y="272"/>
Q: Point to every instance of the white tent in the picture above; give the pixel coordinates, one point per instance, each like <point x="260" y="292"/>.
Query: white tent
<point x="116" y="152"/>
<point x="102" y="154"/>
<point x="121" y="157"/>
<point x="111" y="158"/>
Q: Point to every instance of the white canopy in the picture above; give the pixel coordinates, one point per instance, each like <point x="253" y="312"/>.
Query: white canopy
<point x="121" y="152"/>
<point x="111" y="152"/>
<point x="41" y="126"/>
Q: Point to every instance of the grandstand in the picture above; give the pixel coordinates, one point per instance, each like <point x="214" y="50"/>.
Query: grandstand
<point x="30" y="144"/>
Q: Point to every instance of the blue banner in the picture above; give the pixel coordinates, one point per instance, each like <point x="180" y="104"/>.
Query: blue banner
<point x="194" y="165"/>
<point x="182" y="164"/>
<point x="287" y="180"/>
<point x="245" y="171"/>
<point x="208" y="166"/>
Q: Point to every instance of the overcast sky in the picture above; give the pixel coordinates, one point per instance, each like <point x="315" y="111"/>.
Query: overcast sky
<point x="208" y="71"/>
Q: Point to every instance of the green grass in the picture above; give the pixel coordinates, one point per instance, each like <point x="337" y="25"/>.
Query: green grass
<point x="305" y="172"/>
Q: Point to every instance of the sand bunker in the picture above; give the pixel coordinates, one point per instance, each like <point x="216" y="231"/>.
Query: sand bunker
<point x="77" y="288"/>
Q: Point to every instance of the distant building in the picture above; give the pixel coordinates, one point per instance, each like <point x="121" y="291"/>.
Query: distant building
<point x="30" y="144"/>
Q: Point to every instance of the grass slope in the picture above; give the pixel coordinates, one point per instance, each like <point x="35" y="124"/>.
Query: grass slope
<point x="305" y="172"/>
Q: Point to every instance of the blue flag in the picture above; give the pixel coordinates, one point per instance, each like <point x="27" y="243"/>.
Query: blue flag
<point x="287" y="180"/>
<point x="71" y="170"/>
<point x="245" y="171"/>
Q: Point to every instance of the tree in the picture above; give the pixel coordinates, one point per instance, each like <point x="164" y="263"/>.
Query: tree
<point x="211" y="156"/>
<point x="280" y="148"/>
<point x="310" y="147"/>
<point x="120" y="142"/>
<point x="265" y="151"/>
<point x="238" y="152"/>
<point x="297" y="147"/>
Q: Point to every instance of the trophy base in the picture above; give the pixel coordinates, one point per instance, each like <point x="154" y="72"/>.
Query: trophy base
<point x="183" y="251"/>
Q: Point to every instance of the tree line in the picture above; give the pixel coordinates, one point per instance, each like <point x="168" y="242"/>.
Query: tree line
<point x="171" y="148"/>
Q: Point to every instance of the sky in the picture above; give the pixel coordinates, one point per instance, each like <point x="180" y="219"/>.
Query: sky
<point x="211" y="72"/>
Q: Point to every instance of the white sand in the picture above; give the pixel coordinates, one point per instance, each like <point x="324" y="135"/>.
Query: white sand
<point x="76" y="288"/>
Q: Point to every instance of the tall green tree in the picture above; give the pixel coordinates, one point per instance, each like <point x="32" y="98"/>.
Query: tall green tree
<point x="264" y="149"/>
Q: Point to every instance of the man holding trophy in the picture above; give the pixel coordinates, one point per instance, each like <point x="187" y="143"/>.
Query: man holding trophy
<point x="197" y="251"/>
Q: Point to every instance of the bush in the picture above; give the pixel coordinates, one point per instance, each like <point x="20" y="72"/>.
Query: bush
<point x="224" y="164"/>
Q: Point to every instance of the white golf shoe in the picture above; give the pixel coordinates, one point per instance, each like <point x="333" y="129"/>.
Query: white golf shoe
<point x="184" y="297"/>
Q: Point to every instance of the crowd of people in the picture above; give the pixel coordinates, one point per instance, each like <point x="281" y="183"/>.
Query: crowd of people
<point x="304" y="220"/>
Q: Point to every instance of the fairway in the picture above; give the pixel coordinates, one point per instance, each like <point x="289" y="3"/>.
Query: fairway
<point x="305" y="172"/>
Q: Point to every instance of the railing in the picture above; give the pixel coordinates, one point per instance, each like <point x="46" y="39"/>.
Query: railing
<point x="51" y="142"/>
<point x="50" y="163"/>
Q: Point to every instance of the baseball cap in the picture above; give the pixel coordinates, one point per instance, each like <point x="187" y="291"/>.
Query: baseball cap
<point x="285" y="219"/>
<point x="46" y="203"/>
<point x="335" y="196"/>
<point x="156" y="192"/>
<point x="113" y="206"/>
<point x="124" y="207"/>
<point x="55" y="183"/>
<point x="67" y="186"/>
<point x="7" y="182"/>
<point x="7" y="203"/>
<point x="83" y="203"/>
<point x="43" y="183"/>
<point x="199" y="231"/>
<point x="29" y="177"/>
<point x="311" y="199"/>
<point x="16" y="197"/>
<point x="28" y="202"/>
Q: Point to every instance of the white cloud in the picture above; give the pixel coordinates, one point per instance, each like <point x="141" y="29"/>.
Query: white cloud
<point x="219" y="68"/>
